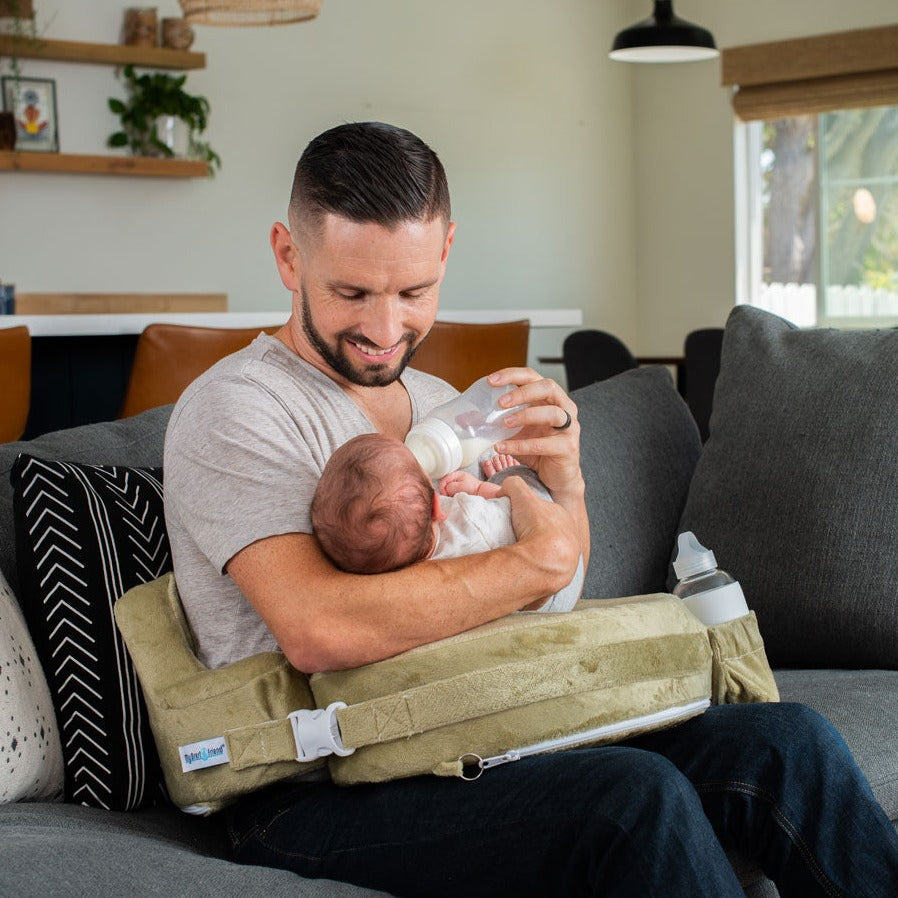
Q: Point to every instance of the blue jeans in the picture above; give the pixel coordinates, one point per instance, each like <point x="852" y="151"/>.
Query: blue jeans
<point x="648" y="817"/>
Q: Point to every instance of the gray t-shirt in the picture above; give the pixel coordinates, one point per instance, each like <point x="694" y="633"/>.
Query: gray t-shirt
<point x="244" y="450"/>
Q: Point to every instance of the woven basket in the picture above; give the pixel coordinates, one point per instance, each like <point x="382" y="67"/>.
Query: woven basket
<point x="248" y="12"/>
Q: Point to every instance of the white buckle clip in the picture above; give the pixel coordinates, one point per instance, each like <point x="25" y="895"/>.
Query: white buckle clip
<point x="317" y="733"/>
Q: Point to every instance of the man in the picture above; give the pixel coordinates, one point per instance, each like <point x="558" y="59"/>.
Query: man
<point x="364" y="255"/>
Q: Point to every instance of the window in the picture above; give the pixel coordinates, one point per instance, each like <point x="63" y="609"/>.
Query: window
<point x="819" y="213"/>
<point x="817" y="176"/>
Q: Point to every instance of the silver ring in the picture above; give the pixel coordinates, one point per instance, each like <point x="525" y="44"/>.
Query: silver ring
<point x="567" y="423"/>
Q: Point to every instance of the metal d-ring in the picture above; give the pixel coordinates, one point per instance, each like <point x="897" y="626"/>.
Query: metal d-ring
<point x="476" y="761"/>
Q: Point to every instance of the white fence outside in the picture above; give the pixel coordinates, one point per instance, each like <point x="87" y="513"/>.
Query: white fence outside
<point x="798" y="303"/>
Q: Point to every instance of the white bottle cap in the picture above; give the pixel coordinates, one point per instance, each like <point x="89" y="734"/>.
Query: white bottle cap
<point x="435" y="445"/>
<point x="692" y="557"/>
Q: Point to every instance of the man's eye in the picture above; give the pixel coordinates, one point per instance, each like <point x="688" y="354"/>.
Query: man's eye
<point x="350" y="294"/>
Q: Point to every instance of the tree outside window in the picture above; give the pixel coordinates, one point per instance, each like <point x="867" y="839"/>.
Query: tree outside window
<point x="822" y="197"/>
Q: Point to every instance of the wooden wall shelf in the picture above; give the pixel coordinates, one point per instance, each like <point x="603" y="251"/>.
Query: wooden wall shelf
<point x="119" y="303"/>
<point x="73" y="163"/>
<point x="101" y="54"/>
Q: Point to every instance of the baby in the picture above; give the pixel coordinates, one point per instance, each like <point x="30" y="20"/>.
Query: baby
<point x="375" y="510"/>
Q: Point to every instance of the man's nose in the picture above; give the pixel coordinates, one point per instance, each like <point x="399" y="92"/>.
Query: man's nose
<point x="383" y="323"/>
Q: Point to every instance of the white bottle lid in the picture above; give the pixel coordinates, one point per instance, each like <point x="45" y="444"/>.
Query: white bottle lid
<point x="692" y="557"/>
<point x="435" y="445"/>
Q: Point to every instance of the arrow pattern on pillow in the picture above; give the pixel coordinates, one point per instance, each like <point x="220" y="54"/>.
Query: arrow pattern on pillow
<point x="91" y="534"/>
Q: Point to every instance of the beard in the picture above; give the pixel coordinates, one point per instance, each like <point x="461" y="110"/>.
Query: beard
<point x="371" y="375"/>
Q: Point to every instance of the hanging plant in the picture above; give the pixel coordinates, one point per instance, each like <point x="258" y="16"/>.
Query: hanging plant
<point x="18" y="27"/>
<point x="150" y="97"/>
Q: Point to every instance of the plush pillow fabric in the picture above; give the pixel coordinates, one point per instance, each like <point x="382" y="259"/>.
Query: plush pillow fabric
<point x="30" y="753"/>
<point x="797" y="489"/>
<point x="639" y="445"/>
<point x="133" y="441"/>
<point x="85" y="535"/>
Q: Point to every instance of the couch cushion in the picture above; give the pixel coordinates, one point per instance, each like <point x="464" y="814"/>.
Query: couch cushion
<point x="85" y="535"/>
<point x="797" y="488"/>
<point x="639" y="445"/>
<point x="61" y="851"/>
<point x="863" y="706"/>
<point x="133" y="441"/>
<point x="30" y="753"/>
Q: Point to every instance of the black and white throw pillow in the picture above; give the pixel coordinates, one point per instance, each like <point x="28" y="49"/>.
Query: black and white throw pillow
<point x="85" y="535"/>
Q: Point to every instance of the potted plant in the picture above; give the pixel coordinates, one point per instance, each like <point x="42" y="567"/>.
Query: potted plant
<point x="156" y="102"/>
<point x="16" y="24"/>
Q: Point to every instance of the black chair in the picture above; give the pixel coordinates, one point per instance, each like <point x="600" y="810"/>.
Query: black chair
<point x="701" y="366"/>
<point x="591" y="355"/>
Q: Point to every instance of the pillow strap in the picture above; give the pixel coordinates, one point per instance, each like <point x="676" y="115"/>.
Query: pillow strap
<point x="478" y="693"/>
<point x="306" y="735"/>
<point x="262" y="743"/>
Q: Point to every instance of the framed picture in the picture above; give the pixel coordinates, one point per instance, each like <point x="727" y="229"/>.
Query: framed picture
<point x="32" y="101"/>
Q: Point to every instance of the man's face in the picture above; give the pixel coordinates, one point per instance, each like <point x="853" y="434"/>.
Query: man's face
<point x="368" y="295"/>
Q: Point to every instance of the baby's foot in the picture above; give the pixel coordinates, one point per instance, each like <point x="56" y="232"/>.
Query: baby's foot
<point x="496" y="463"/>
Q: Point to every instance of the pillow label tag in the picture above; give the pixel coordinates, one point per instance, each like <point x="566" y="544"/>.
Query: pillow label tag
<point x="207" y="753"/>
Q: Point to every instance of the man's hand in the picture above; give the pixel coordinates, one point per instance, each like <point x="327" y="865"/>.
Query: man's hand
<point x="547" y="530"/>
<point x="550" y="439"/>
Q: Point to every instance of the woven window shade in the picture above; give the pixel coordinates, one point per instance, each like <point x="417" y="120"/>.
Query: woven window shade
<point x="812" y="75"/>
<point x="249" y="12"/>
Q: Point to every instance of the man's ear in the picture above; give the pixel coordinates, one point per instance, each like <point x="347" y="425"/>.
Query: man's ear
<point x="450" y="237"/>
<point x="437" y="514"/>
<point x="286" y="256"/>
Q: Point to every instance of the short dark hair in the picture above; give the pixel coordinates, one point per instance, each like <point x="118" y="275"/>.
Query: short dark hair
<point x="371" y="511"/>
<point x="368" y="172"/>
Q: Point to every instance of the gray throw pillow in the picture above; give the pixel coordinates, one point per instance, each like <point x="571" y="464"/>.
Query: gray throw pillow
<point x="639" y="445"/>
<point x="796" y="491"/>
<point x="135" y="442"/>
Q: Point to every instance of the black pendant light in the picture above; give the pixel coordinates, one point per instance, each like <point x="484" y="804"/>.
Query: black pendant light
<point x="663" y="37"/>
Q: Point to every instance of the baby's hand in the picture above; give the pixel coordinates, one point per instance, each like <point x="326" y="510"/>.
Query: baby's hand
<point x="458" y="482"/>
<point x="463" y="482"/>
<point x="496" y="463"/>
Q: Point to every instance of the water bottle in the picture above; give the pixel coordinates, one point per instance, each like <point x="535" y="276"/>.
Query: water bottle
<point x="711" y="594"/>
<point x="455" y="434"/>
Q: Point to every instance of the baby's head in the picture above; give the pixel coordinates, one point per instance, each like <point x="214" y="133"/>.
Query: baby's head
<point x="373" y="510"/>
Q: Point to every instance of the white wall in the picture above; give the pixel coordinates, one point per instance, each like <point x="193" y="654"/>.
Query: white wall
<point x="518" y="98"/>
<point x="683" y="140"/>
<point x="576" y="181"/>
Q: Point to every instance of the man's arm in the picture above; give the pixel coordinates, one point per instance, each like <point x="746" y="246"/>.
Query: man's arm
<point x="324" y="619"/>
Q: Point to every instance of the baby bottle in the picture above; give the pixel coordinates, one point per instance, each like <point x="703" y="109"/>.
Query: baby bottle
<point x="711" y="594"/>
<point x="458" y="432"/>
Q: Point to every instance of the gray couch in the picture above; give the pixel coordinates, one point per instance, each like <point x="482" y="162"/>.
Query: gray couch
<point x="796" y="491"/>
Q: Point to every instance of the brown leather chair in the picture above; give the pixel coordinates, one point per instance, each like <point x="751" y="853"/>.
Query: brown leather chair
<point x="461" y="353"/>
<point x="15" y="376"/>
<point x="168" y="357"/>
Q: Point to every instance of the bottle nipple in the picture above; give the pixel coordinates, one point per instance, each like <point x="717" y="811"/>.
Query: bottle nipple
<point x="692" y="557"/>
